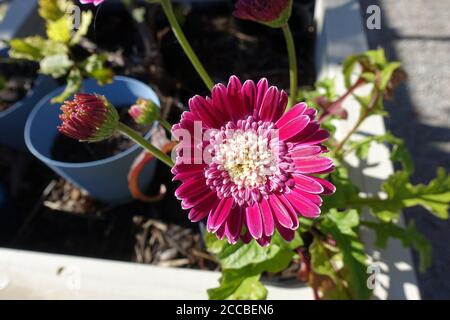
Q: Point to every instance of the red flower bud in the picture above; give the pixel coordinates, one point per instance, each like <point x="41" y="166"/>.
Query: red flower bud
<point x="274" y="13"/>
<point x="88" y="117"/>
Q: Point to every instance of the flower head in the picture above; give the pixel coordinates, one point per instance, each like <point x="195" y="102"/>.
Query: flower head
<point x="88" y="117"/>
<point x="144" y="112"/>
<point x="253" y="168"/>
<point x="274" y="13"/>
<point x="95" y="2"/>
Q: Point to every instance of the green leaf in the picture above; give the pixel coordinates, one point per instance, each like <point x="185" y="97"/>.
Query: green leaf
<point x="409" y="237"/>
<point x="56" y="65"/>
<point x="238" y="286"/>
<point x="52" y="10"/>
<point x="340" y="226"/>
<point x="94" y="66"/>
<point x="59" y="30"/>
<point x="348" y="67"/>
<point x="74" y="81"/>
<point x="320" y="260"/>
<point x="35" y="48"/>
<point x="386" y="74"/>
<point x="241" y="261"/>
<point x="435" y="197"/>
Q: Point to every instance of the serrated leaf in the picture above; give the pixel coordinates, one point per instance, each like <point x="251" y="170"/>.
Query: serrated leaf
<point x="435" y="197"/>
<point x="35" y="48"/>
<point x="340" y="226"/>
<point x="409" y="237"/>
<point x="242" y="261"/>
<point x="52" y="10"/>
<point x="55" y="65"/>
<point x="59" y="30"/>
<point x="386" y="74"/>
<point x="236" y="286"/>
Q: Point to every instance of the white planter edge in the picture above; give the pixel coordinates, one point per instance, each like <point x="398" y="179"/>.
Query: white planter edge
<point x="34" y="275"/>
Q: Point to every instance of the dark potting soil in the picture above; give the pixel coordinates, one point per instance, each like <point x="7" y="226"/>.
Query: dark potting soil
<point x="66" y="149"/>
<point x="57" y="217"/>
<point x="16" y="79"/>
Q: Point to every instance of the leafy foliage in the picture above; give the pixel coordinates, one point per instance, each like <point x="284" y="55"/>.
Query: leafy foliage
<point x="243" y="265"/>
<point x="55" y="53"/>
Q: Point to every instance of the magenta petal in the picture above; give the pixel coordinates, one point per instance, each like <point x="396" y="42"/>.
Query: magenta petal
<point x="233" y="225"/>
<point x="303" y="151"/>
<point x="249" y="96"/>
<point x="254" y="221"/>
<point x="269" y="104"/>
<point x="191" y="187"/>
<point x="220" y="214"/>
<point x="264" y="241"/>
<point x="285" y="233"/>
<point x="220" y="101"/>
<point x="246" y="237"/>
<point x="312" y="164"/>
<point x="328" y="187"/>
<point x="314" y="198"/>
<point x="204" y="110"/>
<point x="267" y="218"/>
<point x="307" y="184"/>
<point x="197" y="215"/>
<point x="280" y="212"/>
<point x="318" y="137"/>
<point x="293" y="127"/>
<point x="235" y="98"/>
<point x="262" y="87"/>
<point x="295" y="112"/>
<point x="304" y="206"/>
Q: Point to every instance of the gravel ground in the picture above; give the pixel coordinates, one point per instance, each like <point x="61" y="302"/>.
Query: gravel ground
<point x="417" y="32"/>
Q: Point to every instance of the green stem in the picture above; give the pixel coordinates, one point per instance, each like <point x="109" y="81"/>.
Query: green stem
<point x="367" y="112"/>
<point x="136" y="137"/>
<point x="292" y="64"/>
<point x="166" y="125"/>
<point x="168" y="10"/>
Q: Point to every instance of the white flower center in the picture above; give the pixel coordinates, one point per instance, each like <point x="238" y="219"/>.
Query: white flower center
<point x="247" y="158"/>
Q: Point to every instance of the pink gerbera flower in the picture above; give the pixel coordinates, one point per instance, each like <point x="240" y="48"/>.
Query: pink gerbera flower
<point x="247" y="166"/>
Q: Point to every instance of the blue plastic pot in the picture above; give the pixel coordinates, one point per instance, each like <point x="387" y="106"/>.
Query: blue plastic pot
<point x="12" y="120"/>
<point x="105" y="180"/>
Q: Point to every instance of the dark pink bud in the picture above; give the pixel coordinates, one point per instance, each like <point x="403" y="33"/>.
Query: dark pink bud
<point x="274" y="13"/>
<point x="88" y="117"/>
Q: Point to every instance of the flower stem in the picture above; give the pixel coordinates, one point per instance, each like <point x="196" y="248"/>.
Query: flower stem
<point x="136" y="137"/>
<point x="292" y="63"/>
<point x="367" y="112"/>
<point x="166" y="125"/>
<point x="168" y="10"/>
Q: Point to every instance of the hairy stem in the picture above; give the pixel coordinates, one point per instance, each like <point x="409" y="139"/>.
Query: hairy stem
<point x="367" y="112"/>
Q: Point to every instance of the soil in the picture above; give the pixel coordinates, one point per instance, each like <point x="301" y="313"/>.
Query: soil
<point x="16" y="80"/>
<point x="51" y="215"/>
<point x="69" y="150"/>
